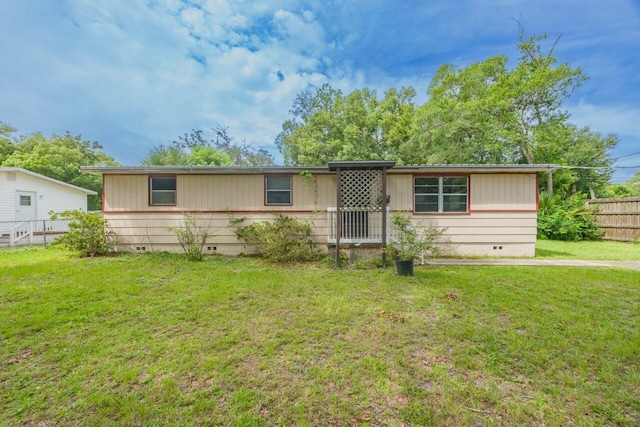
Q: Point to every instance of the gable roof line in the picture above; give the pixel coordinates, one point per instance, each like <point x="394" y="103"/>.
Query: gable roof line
<point x="316" y="169"/>
<point x="46" y="178"/>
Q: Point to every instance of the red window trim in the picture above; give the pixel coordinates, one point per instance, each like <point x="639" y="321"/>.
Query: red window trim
<point x="440" y="175"/>
<point x="278" y="175"/>
<point x="149" y="177"/>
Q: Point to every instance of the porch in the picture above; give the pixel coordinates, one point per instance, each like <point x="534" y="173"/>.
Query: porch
<point x="359" y="226"/>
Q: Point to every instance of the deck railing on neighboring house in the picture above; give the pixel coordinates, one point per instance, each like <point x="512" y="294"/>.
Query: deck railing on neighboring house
<point x="358" y="226"/>
<point x="31" y="232"/>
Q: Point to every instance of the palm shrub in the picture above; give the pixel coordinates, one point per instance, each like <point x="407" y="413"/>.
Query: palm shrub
<point x="569" y="218"/>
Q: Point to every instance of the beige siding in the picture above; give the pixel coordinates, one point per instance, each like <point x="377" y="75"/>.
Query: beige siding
<point x="400" y="188"/>
<point x="126" y="193"/>
<point x="503" y="192"/>
<point x="502" y="220"/>
<point x="488" y="192"/>
<point x="152" y="230"/>
<point x="487" y="233"/>
<point x="217" y="193"/>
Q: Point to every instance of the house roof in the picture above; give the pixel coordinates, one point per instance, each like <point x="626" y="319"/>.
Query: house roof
<point x="258" y="170"/>
<point x="46" y="178"/>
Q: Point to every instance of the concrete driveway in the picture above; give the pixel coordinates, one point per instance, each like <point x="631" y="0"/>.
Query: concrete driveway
<point x="633" y="265"/>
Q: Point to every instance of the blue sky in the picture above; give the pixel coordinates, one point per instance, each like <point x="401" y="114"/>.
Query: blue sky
<point x="131" y="74"/>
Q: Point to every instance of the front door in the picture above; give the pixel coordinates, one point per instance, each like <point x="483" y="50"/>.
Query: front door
<point x="25" y="205"/>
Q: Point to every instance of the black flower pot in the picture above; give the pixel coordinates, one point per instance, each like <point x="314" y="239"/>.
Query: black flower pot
<point x="405" y="268"/>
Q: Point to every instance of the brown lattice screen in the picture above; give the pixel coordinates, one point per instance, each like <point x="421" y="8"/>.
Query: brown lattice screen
<point x="361" y="190"/>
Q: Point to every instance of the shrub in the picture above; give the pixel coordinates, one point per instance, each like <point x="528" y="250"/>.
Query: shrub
<point x="410" y="241"/>
<point x="192" y="237"/>
<point x="567" y="219"/>
<point x="284" y="240"/>
<point x="88" y="233"/>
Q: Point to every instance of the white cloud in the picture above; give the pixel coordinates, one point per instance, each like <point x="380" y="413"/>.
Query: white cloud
<point x="622" y="120"/>
<point x="135" y="73"/>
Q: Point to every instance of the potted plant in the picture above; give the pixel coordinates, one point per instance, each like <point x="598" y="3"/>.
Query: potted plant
<point x="411" y="241"/>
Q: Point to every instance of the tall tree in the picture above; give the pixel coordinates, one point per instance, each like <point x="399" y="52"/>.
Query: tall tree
<point x="326" y="125"/>
<point x="59" y="157"/>
<point x="488" y="113"/>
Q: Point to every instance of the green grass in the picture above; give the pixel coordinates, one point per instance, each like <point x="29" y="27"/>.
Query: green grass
<point x="594" y="250"/>
<point x="155" y="340"/>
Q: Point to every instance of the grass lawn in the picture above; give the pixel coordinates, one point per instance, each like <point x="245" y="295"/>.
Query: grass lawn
<point x="598" y="250"/>
<point x="156" y="340"/>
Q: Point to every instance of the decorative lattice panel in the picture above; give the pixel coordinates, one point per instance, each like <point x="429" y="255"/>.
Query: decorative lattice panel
<point x="361" y="190"/>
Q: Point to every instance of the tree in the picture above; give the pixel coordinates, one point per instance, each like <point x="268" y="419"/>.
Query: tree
<point x="326" y="125"/>
<point x="634" y="183"/>
<point x="7" y="146"/>
<point x="233" y="152"/>
<point x="488" y="113"/>
<point x="463" y="121"/>
<point x="204" y="156"/>
<point x="58" y="157"/>
<point x="585" y="152"/>
<point x="166" y="155"/>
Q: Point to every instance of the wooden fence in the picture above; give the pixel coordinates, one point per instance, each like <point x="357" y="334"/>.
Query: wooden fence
<point x="619" y="218"/>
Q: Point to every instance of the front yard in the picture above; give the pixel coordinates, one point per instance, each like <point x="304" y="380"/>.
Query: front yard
<point x="155" y="340"/>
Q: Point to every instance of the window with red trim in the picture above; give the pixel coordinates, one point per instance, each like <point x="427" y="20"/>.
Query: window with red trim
<point x="162" y="190"/>
<point x="277" y="190"/>
<point x="440" y="194"/>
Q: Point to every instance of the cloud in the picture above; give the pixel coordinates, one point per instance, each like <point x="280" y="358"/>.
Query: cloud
<point x="607" y="119"/>
<point x="131" y="74"/>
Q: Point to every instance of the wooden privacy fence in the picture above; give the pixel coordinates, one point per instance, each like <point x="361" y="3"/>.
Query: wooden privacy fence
<point x="618" y="218"/>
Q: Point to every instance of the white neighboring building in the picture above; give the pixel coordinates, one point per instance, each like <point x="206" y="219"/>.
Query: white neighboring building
<point x="27" y="195"/>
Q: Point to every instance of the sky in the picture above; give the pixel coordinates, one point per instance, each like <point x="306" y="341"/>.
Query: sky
<point x="132" y="74"/>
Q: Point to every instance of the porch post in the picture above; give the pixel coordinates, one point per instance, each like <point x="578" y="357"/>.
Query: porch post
<point x="383" y="203"/>
<point x="338" y="216"/>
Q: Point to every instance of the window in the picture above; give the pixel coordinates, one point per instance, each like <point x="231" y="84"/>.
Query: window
<point x="25" y="200"/>
<point x="163" y="190"/>
<point x="277" y="190"/>
<point x="440" y="194"/>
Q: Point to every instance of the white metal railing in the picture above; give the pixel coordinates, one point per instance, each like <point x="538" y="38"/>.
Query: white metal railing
<point x="358" y="226"/>
<point x="31" y="232"/>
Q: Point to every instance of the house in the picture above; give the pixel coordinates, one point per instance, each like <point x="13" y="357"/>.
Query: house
<point x="486" y="209"/>
<point x="26" y="195"/>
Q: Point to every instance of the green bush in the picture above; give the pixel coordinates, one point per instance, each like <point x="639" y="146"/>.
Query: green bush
<point x="88" y="233"/>
<point x="192" y="237"/>
<point x="410" y="241"/>
<point x="568" y="219"/>
<point x="284" y="240"/>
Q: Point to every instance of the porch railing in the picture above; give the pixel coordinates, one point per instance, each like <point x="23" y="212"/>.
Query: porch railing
<point x="31" y="232"/>
<point x="358" y="226"/>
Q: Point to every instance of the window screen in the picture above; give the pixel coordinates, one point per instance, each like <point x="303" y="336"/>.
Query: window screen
<point x="278" y="190"/>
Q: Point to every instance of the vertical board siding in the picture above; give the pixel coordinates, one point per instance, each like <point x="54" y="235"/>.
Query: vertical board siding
<point x="502" y="220"/>
<point x="618" y="218"/>
<point x="503" y="192"/>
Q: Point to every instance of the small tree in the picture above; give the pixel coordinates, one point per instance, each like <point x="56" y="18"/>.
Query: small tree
<point x="192" y="237"/>
<point x="412" y="240"/>
<point x="88" y="233"/>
